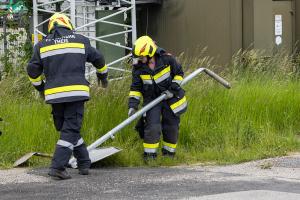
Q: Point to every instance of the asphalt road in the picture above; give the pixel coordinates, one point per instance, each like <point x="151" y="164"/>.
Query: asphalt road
<point x="274" y="179"/>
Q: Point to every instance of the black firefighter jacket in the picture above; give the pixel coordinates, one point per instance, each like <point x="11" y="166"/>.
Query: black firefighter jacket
<point x="61" y="57"/>
<point x="150" y="84"/>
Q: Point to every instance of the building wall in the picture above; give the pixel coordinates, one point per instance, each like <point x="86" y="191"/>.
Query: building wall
<point x="223" y="26"/>
<point x="263" y="25"/>
<point x="188" y="25"/>
<point x="248" y="23"/>
<point x="297" y="23"/>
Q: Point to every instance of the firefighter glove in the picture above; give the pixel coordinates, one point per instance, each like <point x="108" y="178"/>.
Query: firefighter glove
<point x="42" y="95"/>
<point x="131" y="111"/>
<point x="168" y="94"/>
<point x="104" y="83"/>
<point x="174" y="89"/>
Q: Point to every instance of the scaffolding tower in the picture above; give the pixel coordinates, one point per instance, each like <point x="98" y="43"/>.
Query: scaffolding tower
<point x="82" y="16"/>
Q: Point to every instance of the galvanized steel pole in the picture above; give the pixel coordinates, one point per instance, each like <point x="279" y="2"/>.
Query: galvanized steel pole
<point x="126" y="122"/>
<point x="111" y="133"/>
<point x="35" y="21"/>
<point x="133" y="21"/>
<point x="73" y="12"/>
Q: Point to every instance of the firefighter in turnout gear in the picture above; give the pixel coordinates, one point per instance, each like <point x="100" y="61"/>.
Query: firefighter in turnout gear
<point x="157" y="72"/>
<point x="60" y="58"/>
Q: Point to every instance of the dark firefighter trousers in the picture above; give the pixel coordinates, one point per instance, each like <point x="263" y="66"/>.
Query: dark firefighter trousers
<point x="68" y="120"/>
<point x="161" y="119"/>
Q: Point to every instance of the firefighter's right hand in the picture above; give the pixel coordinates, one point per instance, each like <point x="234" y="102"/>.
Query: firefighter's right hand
<point x="131" y="111"/>
<point x="104" y="83"/>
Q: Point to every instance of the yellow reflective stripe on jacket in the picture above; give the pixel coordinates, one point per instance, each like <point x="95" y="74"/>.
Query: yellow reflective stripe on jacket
<point x="161" y="73"/>
<point x="173" y="146"/>
<point x="151" y="146"/>
<point x="159" y="77"/>
<point x="34" y="80"/>
<point x="135" y="94"/>
<point x="102" y="70"/>
<point x="178" y="78"/>
<point x="60" y="95"/>
<point x="145" y="77"/>
<point x="62" y="52"/>
<point x="61" y="46"/>
<point x="178" y="103"/>
<point x="67" y="89"/>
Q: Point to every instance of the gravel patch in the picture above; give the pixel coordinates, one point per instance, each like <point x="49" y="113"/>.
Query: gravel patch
<point x="263" y="179"/>
<point x="20" y="175"/>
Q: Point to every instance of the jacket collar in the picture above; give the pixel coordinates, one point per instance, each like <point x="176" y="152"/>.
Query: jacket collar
<point x="160" y="51"/>
<point x="159" y="64"/>
<point x="158" y="59"/>
<point x="59" y="32"/>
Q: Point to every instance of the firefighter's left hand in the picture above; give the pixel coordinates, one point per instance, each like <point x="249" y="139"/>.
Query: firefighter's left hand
<point x="174" y="89"/>
<point x="131" y="112"/>
<point x="168" y="94"/>
<point x="42" y="95"/>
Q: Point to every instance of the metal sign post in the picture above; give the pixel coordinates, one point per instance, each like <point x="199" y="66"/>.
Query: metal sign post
<point x="98" y="154"/>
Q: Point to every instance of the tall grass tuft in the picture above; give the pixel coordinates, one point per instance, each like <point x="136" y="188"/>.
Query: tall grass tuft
<point x="257" y="118"/>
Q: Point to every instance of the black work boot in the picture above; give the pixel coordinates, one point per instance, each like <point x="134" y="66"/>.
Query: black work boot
<point x="148" y="157"/>
<point x="83" y="171"/>
<point x="167" y="153"/>
<point x="59" y="174"/>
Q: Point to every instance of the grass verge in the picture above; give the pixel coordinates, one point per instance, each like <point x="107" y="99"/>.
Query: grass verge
<point x="257" y="118"/>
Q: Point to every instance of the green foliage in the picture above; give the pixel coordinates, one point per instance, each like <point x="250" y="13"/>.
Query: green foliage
<point x="18" y="51"/>
<point x="254" y="63"/>
<point x="255" y="119"/>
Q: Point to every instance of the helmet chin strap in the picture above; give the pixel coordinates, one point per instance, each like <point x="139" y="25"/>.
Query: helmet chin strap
<point x="148" y="60"/>
<point x="151" y="65"/>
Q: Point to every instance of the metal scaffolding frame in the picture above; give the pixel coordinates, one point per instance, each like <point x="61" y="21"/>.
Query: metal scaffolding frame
<point x="70" y="10"/>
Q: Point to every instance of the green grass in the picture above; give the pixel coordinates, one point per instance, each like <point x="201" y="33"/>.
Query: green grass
<point x="257" y="118"/>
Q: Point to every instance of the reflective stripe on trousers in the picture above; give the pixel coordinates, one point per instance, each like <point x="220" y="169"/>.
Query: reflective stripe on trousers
<point x="150" y="148"/>
<point x="70" y="145"/>
<point x="169" y="147"/>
